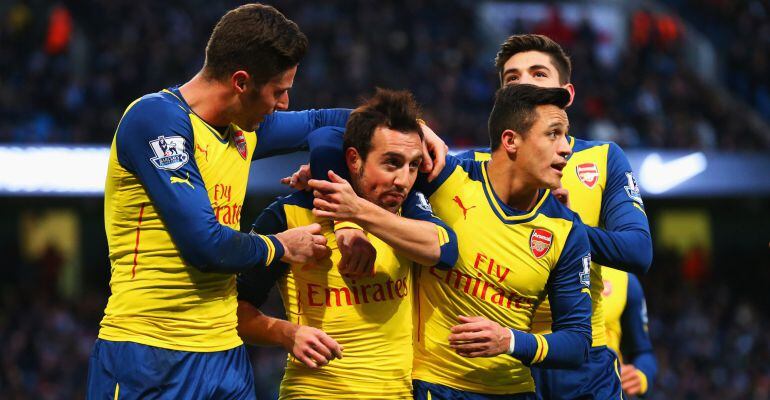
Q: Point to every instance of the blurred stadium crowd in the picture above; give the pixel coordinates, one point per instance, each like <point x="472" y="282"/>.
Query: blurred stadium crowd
<point x="70" y="68"/>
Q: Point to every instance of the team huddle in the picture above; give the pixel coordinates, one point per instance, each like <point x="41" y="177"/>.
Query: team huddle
<point x="405" y="272"/>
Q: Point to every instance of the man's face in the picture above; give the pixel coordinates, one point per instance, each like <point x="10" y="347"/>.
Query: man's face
<point x="259" y="101"/>
<point x="543" y="150"/>
<point x="390" y="168"/>
<point x="532" y="67"/>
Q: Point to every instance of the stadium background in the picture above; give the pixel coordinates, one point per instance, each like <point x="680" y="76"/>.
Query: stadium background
<point x="684" y="78"/>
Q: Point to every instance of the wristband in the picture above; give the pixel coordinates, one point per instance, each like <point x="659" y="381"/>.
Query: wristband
<point x="513" y="343"/>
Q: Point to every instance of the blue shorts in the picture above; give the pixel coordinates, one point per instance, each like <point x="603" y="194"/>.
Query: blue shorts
<point x="127" y="370"/>
<point x="598" y="378"/>
<point x="429" y="391"/>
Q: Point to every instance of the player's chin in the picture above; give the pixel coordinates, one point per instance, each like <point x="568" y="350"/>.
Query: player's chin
<point x="550" y="181"/>
<point x="391" y="203"/>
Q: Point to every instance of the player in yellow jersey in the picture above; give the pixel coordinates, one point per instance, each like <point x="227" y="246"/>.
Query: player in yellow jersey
<point x="625" y="314"/>
<point x="177" y="174"/>
<point x="368" y="319"/>
<point x="517" y="243"/>
<point x="603" y="191"/>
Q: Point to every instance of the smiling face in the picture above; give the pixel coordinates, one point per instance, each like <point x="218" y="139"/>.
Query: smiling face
<point x="541" y="153"/>
<point x="390" y="168"/>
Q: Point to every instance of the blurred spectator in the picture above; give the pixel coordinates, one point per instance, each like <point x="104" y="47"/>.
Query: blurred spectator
<point x="68" y="77"/>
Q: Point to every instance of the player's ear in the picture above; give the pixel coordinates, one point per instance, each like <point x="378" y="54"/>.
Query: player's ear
<point x="571" y="89"/>
<point x="510" y="141"/>
<point x="239" y="80"/>
<point x="353" y="159"/>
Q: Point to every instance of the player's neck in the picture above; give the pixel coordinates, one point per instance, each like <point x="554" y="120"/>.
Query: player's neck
<point x="511" y="188"/>
<point x="208" y="99"/>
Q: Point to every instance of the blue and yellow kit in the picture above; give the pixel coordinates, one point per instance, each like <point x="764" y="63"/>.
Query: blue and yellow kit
<point x="603" y="191"/>
<point x="371" y="317"/>
<point x="625" y="313"/>
<point x="508" y="262"/>
<point x="172" y="208"/>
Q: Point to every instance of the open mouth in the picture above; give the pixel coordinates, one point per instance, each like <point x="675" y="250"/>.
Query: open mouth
<point x="559" y="166"/>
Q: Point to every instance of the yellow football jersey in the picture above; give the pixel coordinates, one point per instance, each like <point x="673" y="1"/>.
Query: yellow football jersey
<point x="371" y="317"/>
<point x="508" y="261"/>
<point x="157" y="299"/>
<point x="587" y="174"/>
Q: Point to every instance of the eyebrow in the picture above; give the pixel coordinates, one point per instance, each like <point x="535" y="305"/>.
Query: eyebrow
<point x="536" y="66"/>
<point x="400" y="155"/>
<point x="557" y="125"/>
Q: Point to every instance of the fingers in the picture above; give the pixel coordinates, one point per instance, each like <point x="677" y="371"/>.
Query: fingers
<point x="474" y="354"/>
<point x="322" y="185"/>
<point x="457" y="338"/>
<point x="335" y="178"/>
<point x="313" y="229"/>
<point x="332" y="345"/>
<point x="318" y="213"/>
<point x="439" y="162"/>
<point x="427" y="163"/>
<point x="474" y="347"/>
<point x="355" y="267"/>
<point x="321" y="251"/>
<point x="370" y="265"/>
<point x="324" y="204"/>
<point x="318" y="359"/>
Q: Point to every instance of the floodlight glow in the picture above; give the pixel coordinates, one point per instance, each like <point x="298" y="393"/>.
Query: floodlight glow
<point x="53" y="169"/>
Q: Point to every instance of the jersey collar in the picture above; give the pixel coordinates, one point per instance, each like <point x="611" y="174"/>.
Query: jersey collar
<point x="502" y="210"/>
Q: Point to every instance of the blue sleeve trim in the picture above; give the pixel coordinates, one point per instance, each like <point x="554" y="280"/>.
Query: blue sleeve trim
<point x="287" y="132"/>
<point x="524" y="346"/>
<point x="154" y="141"/>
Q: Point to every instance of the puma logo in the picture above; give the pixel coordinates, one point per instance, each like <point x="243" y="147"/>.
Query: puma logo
<point x="205" y="152"/>
<point x="176" y="179"/>
<point x="459" y="202"/>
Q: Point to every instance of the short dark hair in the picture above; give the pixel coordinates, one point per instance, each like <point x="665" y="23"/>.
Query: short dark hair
<point x="515" y="108"/>
<point x="530" y="42"/>
<point x="393" y="109"/>
<point x="255" y="38"/>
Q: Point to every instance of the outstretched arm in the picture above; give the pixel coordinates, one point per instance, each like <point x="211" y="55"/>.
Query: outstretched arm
<point x="287" y="131"/>
<point x="427" y="240"/>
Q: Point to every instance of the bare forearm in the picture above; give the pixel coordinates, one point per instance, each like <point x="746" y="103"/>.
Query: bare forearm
<point x="259" y="329"/>
<point x="417" y="240"/>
